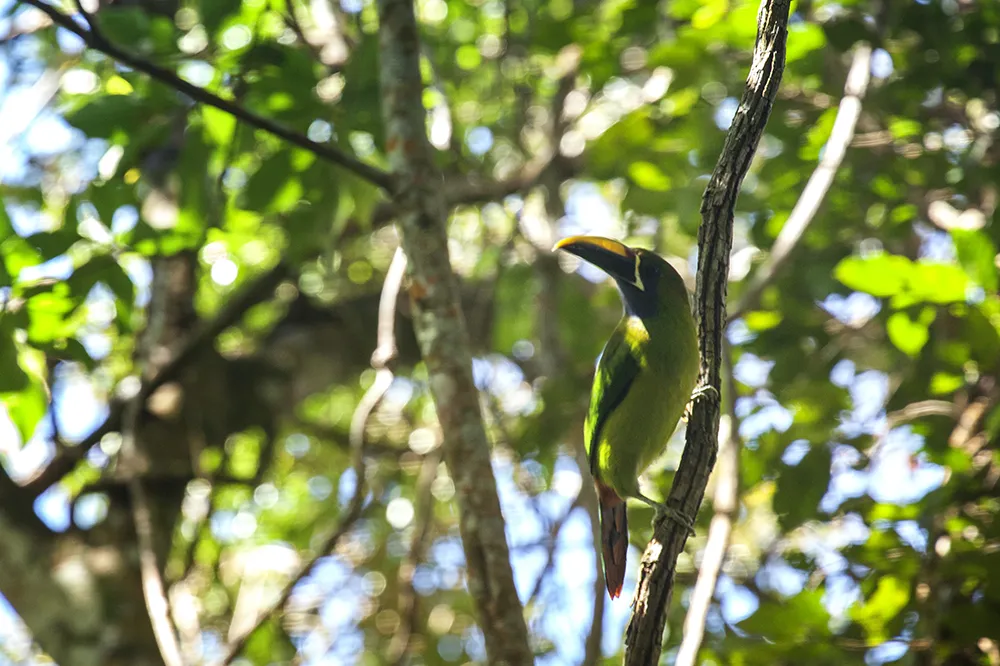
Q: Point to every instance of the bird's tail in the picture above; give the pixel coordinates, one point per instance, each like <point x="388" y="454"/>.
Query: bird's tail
<point x="614" y="538"/>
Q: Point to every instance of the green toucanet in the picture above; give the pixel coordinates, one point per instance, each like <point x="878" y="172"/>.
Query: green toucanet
<point x="643" y="384"/>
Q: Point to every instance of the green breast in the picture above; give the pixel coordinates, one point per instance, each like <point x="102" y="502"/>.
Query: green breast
<point x="644" y="381"/>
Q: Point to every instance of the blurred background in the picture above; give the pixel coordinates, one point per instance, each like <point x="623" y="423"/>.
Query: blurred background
<point x="852" y="518"/>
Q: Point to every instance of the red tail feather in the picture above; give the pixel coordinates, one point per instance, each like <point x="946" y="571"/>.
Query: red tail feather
<point x="614" y="538"/>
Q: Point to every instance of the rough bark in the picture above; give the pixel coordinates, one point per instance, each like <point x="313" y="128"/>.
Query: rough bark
<point x="644" y="635"/>
<point x="441" y="333"/>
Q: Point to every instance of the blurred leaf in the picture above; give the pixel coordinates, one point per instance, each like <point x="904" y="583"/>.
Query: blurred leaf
<point x="890" y="597"/>
<point x="51" y="244"/>
<point x="214" y="12"/>
<point x="794" y="620"/>
<point x="882" y="275"/>
<point x="977" y="255"/>
<point x="514" y="311"/>
<point x="804" y="38"/>
<point x="649" y="176"/>
<point x="102" y="117"/>
<point x="104" y="269"/>
<point x="12" y="376"/>
<point x="800" y="488"/>
<point x="908" y="335"/>
<point x="22" y="389"/>
<point x="266" y="183"/>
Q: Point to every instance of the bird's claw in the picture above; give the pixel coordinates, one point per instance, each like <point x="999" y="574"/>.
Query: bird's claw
<point x="704" y="390"/>
<point x="700" y="392"/>
<point x="664" y="512"/>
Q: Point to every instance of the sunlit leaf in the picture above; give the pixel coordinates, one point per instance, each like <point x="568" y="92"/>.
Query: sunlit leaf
<point x="907" y="334"/>
<point x="882" y="275"/>
<point x="649" y="176"/>
<point x="890" y="597"/>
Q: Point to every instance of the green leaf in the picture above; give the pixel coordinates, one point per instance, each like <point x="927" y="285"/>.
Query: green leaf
<point x="904" y="128"/>
<point x="22" y="389"/>
<point x="882" y="275"/>
<point x="801" y="487"/>
<point x="264" y="185"/>
<point x="935" y="283"/>
<point x="890" y="597"/>
<point x="124" y="25"/>
<point x="48" y="312"/>
<point x="219" y="125"/>
<point x="792" y="621"/>
<point x="516" y="291"/>
<point x="103" y="116"/>
<point x="803" y="39"/>
<point x="762" y="320"/>
<point x="26" y="408"/>
<point x="12" y="376"/>
<point x="907" y="335"/>
<point x="944" y="383"/>
<point x="977" y="255"/>
<point x="214" y="12"/>
<point x="104" y="269"/>
<point x="709" y="14"/>
<point x="649" y="176"/>
<point x="51" y="244"/>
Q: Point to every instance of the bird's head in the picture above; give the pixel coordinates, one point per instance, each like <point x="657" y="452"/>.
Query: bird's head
<point x="647" y="282"/>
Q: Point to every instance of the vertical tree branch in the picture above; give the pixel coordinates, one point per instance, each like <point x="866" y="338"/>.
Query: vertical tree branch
<point x="725" y="504"/>
<point x="154" y="592"/>
<point x="644" y="634"/>
<point x="440" y="329"/>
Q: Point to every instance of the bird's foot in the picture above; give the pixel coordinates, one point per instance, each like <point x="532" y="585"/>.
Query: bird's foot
<point x="701" y="391"/>
<point x="664" y="512"/>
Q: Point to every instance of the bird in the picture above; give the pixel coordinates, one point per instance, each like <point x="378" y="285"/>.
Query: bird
<point x="644" y="381"/>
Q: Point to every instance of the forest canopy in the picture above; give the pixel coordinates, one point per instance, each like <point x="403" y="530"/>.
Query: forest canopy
<point x="198" y="224"/>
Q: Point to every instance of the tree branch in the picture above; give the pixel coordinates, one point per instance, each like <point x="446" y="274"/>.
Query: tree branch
<point x="95" y="41"/>
<point x="551" y="547"/>
<point x="444" y="344"/>
<point x="355" y="509"/>
<point x="819" y="182"/>
<point x="644" y="634"/>
<point x="154" y="592"/>
<point x="725" y="503"/>
<point x="398" y="652"/>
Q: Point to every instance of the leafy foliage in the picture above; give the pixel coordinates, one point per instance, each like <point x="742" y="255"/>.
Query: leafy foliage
<point x="865" y="375"/>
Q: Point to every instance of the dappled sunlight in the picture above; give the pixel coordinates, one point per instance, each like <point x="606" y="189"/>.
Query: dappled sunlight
<point x="191" y="288"/>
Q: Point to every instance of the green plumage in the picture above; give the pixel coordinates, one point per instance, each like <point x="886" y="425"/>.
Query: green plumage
<point x="644" y="382"/>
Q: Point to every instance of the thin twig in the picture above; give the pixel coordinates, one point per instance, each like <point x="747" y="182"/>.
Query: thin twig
<point x="644" y="634"/>
<point x="725" y="503"/>
<point x="95" y="41"/>
<point x="551" y="547"/>
<point x="355" y="509"/>
<point x="819" y="182"/>
<point x="408" y="607"/>
<point x="154" y="592"/>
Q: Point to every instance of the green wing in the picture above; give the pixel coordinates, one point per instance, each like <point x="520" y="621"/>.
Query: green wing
<point x="615" y="373"/>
